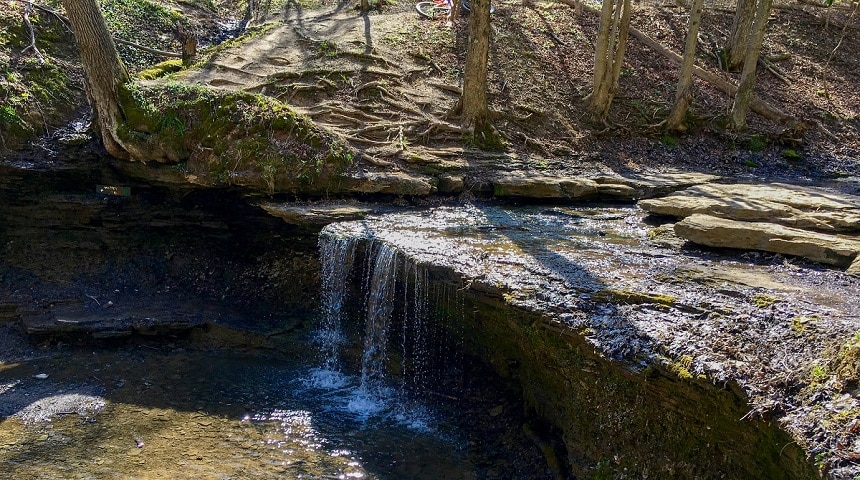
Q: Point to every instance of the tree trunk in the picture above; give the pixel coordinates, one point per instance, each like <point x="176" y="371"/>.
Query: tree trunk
<point x="738" y="120"/>
<point x="473" y="101"/>
<point x="738" y="41"/>
<point x="609" y="55"/>
<point x="684" y="93"/>
<point x="104" y="70"/>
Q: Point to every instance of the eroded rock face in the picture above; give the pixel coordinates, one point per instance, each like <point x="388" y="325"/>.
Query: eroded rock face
<point x="769" y="237"/>
<point x="789" y="205"/>
<point x="77" y="261"/>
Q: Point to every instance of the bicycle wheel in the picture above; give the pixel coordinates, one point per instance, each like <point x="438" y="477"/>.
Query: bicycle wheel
<point x="429" y="9"/>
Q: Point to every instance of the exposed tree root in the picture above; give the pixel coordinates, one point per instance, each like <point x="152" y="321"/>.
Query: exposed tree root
<point x="369" y="57"/>
<point x="447" y="88"/>
<point x="376" y="85"/>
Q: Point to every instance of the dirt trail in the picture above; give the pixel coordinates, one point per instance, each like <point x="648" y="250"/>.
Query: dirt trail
<point x="328" y="65"/>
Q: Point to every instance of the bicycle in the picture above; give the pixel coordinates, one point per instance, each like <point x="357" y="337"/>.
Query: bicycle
<point x="441" y="8"/>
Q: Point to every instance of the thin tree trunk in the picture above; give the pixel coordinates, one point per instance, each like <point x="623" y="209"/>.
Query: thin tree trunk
<point x="684" y="93"/>
<point x="764" y="109"/>
<point x="738" y="120"/>
<point x="601" y="60"/>
<point x="609" y="55"/>
<point x="739" y="38"/>
<point x="104" y="70"/>
<point x="473" y="101"/>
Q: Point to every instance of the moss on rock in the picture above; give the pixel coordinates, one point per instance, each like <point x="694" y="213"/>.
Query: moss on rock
<point x="233" y="137"/>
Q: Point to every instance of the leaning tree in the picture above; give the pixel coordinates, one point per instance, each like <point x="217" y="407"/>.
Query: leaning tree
<point x="684" y="92"/>
<point x="104" y="70"/>
<point x="739" y="37"/>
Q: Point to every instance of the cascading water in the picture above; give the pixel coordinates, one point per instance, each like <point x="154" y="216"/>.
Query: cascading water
<point x="337" y="254"/>
<point x="381" y="285"/>
<point x="396" y="299"/>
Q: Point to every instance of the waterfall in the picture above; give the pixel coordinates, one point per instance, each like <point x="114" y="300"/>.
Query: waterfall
<point x="397" y="299"/>
<point x="337" y="254"/>
<point x="381" y="284"/>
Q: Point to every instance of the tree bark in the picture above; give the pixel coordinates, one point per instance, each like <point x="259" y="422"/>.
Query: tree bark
<point x="473" y="101"/>
<point x="737" y="117"/>
<point x="609" y="55"/>
<point x="684" y="93"/>
<point x="104" y="70"/>
<point x="739" y="38"/>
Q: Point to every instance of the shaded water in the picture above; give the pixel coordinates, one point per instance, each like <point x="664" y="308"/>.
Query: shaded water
<point x="147" y="411"/>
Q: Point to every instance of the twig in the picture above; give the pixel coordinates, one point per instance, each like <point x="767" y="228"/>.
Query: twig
<point x="62" y="19"/>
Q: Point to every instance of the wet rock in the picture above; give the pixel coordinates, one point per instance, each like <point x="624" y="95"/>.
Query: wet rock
<point x="543" y="187"/>
<point x="78" y="318"/>
<point x="769" y="237"/>
<point x="450" y="184"/>
<point x="652" y="185"/>
<point x="317" y="214"/>
<point x="789" y="205"/>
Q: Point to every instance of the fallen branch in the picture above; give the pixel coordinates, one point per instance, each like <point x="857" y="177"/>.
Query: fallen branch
<point x="776" y="71"/>
<point x="153" y="51"/>
<point x="756" y="104"/>
<point x="32" y="46"/>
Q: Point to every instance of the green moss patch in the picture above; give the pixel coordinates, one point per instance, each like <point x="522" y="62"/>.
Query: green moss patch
<point x="233" y="137"/>
<point x="35" y="94"/>
<point x="161" y="69"/>
<point x="628" y="297"/>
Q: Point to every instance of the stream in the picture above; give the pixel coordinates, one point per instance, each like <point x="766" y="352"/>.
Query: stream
<point x="149" y="410"/>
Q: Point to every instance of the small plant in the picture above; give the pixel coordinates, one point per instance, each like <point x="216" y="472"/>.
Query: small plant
<point x="327" y="49"/>
<point x="757" y="143"/>
<point x="669" y="141"/>
<point x="791" y="155"/>
<point x="750" y="163"/>
<point x="818" y="373"/>
<point x="761" y="300"/>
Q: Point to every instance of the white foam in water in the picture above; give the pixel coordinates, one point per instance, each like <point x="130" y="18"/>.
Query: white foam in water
<point x="325" y="379"/>
<point x="365" y="404"/>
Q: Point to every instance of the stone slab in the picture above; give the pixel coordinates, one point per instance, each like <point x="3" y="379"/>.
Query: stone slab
<point x="790" y="205"/>
<point x="316" y="214"/>
<point x="769" y="237"/>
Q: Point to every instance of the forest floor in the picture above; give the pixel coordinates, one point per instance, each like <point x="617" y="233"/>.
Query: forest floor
<point x="387" y="81"/>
